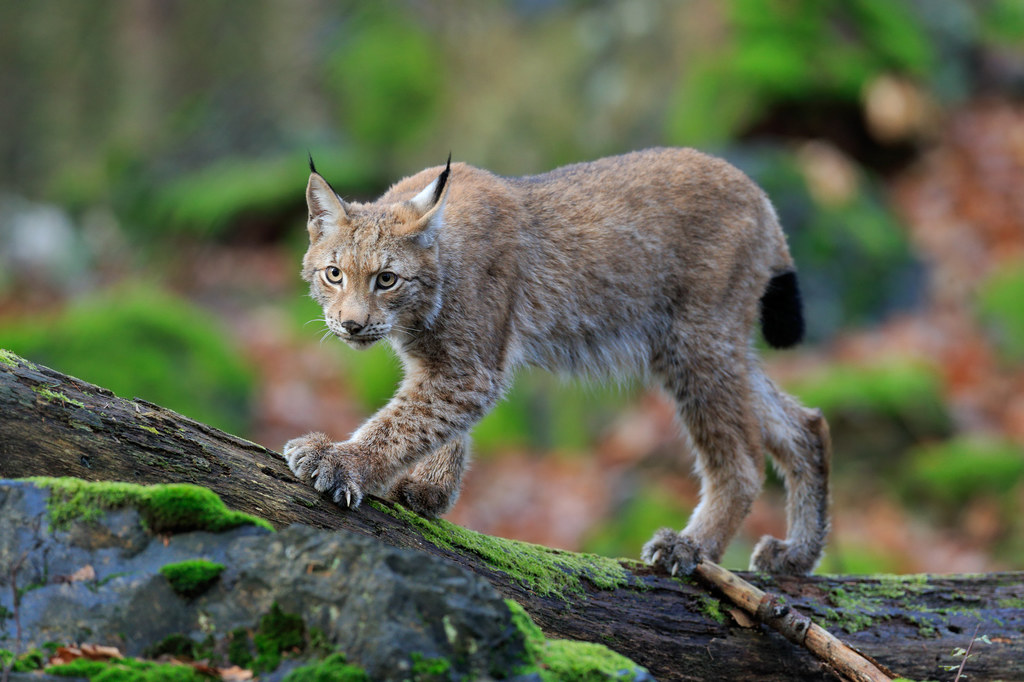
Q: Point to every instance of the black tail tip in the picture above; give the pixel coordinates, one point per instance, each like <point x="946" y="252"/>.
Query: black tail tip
<point x="782" y="316"/>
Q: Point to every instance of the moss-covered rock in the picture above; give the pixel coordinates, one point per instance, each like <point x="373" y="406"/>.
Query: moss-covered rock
<point x="166" y="508"/>
<point x="193" y="577"/>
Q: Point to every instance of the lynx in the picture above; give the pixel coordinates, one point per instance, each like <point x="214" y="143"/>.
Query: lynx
<point x="657" y="263"/>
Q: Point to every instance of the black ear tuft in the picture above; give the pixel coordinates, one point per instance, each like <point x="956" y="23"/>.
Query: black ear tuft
<point x="312" y="166"/>
<point x="442" y="180"/>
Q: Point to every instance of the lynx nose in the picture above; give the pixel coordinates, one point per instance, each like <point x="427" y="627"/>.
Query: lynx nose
<point x="351" y="326"/>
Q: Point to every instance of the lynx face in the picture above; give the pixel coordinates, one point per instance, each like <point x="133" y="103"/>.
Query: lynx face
<point x="374" y="268"/>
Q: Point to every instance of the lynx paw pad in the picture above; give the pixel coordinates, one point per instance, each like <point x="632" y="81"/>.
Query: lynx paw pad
<point x="677" y="554"/>
<point x="772" y="555"/>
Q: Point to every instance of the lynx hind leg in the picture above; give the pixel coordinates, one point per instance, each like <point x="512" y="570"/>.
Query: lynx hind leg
<point x="432" y="487"/>
<point x="715" y="408"/>
<point x="798" y="440"/>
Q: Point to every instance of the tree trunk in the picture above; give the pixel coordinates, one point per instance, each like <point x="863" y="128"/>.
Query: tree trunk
<point x="55" y="425"/>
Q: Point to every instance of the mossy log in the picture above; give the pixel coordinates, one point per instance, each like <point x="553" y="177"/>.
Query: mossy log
<point x="55" y="425"/>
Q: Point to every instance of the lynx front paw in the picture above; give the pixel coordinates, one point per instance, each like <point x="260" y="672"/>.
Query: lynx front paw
<point x="677" y="554"/>
<point x="426" y="499"/>
<point x="329" y="467"/>
<point x="772" y="555"/>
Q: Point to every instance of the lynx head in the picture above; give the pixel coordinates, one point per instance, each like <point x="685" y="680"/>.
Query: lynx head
<point x="374" y="267"/>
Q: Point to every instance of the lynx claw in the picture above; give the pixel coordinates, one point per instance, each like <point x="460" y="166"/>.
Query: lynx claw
<point x="673" y="552"/>
<point x="329" y="467"/>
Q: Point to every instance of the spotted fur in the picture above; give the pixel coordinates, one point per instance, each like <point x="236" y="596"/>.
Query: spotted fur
<point x="657" y="263"/>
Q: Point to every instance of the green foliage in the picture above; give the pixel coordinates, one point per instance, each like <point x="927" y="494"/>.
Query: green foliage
<point x="278" y="633"/>
<point x="898" y="387"/>
<point x="387" y="78"/>
<point x="789" y="50"/>
<point x="1002" y="22"/>
<point x="855" y="262"/>
<point x="192" y="578"/>
<point x="333" y="668"/>
<point x="950" y="473"/>
<point x="168" y="508"/>
<point x="544" y="412"/>
<point x="1001" y="306"/>
<point x="143" y="342"/>
<point x="624" y="533"/>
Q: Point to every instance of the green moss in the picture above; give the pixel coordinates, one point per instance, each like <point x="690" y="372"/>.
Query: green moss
<point x="429" y="669"/>
<point x="56" y="396"/>
<point x="546" y="571"/>
<point x="8" y="358"/>
<point x="150" y="429"/>
<point x="169" y="508"/>
<point x="176" y="645"/>
<point x="712" y="608"/>
<point x="278" y="633"/>
<point x="334" y="668"/>
<point x="239" y="647"/>
<point x="560" y="660"/>
<point x="33" y="659"/>
<point x="127" y="670"/>
<point x="585" y="662"/>
<point x="192" y="578"/>
<point x="859" y="605"/>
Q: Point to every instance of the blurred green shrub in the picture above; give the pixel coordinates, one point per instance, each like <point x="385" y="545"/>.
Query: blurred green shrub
<point x="853" y="257"/>
<point x="623" y="534"/>
<point x="545" y="412"/>
<point x="141" y="342"/>
<point x="875" y="412"/>
<point x="793" y="49"/>
<point x="1000" y="302"/>
<point x="953" y="472"/>
<point x="387" y="78"/>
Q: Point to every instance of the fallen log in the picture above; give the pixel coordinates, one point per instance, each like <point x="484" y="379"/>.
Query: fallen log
<point x="55" y="425"/>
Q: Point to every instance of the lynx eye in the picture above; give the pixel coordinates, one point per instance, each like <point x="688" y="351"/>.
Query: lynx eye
<point x="333" y="274"/>
<point x="386" y="280"/>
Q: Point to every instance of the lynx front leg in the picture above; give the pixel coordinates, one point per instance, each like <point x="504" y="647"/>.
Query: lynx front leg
<point x="714" y="406"/>
<point x="432" y="487"/>
<point x="427" y="413"/>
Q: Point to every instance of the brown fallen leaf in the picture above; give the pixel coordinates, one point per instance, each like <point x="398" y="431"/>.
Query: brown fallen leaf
<point x="741" y="618"/>
<point x="235" y="674"/>
<point x="86" y="572"/>
<point x="98" y="652"/>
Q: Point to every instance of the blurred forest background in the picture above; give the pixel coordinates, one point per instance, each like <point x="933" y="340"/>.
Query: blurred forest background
<point x="153" y="163"/>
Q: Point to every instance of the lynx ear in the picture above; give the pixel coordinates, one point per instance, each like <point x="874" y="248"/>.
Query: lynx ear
<point x="327" y="212"/>
<point x="427" y="208"/>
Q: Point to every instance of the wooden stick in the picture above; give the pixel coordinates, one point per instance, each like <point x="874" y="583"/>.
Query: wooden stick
<point x="771" y="610"/>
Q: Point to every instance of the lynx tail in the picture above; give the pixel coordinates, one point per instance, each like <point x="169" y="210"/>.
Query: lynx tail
<point x="782" y="318"/>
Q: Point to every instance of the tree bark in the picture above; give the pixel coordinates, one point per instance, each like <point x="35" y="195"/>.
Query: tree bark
<point x="55" y="425"/>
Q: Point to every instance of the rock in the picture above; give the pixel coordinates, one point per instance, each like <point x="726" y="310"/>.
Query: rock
<point x="385" y="608"/>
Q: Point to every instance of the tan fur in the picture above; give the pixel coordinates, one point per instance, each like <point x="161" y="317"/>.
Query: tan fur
<point x="652" y="262"/>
